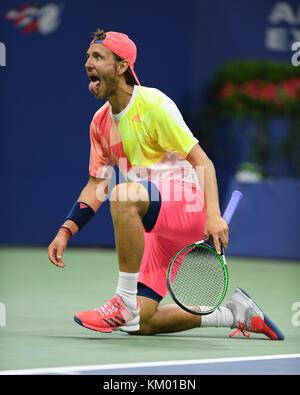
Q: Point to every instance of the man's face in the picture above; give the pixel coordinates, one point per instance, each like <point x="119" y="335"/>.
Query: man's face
<point x="101" y="70"/>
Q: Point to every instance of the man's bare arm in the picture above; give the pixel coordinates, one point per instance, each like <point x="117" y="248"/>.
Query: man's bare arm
<point x="215" y="225"/>
<point x="94" y="194"/>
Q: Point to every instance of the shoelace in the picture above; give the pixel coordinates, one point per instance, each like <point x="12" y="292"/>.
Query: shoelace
<point x="110" y="307"/>
<point x="243" y="328"/>
<point x="239" y="331"/>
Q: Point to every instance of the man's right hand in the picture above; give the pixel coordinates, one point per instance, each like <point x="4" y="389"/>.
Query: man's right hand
<point x="57" y="247"/>
<point x="91" y="195"/>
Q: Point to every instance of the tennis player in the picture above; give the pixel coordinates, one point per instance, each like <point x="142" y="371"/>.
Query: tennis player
<point x="169" y="199"/>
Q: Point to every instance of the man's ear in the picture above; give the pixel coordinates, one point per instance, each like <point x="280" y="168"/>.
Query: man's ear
<point x="122" y="66"/>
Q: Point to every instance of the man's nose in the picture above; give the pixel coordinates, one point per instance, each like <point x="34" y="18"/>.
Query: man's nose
<point x="88" y="64"/>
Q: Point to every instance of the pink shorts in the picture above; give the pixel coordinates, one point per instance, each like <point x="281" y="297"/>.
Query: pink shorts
<point x="181" y="221"/>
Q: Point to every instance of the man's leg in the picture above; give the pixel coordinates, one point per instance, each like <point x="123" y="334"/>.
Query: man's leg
<point x="240" y="312"/>
<point x="158" y="318"/>
<point x="128" y="204"/>
<point x="164" y="318"/>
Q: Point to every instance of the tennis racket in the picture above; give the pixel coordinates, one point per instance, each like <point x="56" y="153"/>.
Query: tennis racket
<point x="197" y="276"/>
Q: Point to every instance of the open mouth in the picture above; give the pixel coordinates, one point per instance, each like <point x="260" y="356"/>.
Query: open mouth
<point x="93" y="78"/>
<point x="94" y="85"/>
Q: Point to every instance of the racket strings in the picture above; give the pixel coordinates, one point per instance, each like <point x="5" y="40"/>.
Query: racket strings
<point x="198" y="278"/>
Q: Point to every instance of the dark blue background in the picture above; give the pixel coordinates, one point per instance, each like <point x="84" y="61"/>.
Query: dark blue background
<point x="46" y="107"/>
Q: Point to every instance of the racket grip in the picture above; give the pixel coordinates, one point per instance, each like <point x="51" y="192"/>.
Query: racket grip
<point x="232" y="205"/>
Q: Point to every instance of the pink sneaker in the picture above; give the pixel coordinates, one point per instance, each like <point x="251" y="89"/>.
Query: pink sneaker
<point x="111" y="316"/>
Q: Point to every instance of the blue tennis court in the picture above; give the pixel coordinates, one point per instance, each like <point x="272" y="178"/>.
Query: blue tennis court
<point x="261" y="365"/>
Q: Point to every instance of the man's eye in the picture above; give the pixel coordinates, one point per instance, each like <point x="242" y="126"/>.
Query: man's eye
<point x="99" y="57"/>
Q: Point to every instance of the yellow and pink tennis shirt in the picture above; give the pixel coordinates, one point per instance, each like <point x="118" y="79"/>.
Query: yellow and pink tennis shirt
<point x="148" y="139"/>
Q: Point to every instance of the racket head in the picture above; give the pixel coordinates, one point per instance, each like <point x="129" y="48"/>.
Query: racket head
<point x="197" y="278"/>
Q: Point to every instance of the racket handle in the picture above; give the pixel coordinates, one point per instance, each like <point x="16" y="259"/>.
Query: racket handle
<point x="232" y="205"/>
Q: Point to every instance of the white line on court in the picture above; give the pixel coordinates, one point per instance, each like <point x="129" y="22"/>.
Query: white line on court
<point x="78" y="369"/>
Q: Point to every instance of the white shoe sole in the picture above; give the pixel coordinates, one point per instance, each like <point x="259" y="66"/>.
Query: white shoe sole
<point x="132" y="326"/>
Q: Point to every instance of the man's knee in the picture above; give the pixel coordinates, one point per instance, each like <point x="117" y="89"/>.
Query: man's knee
<point x="131" y="196"/>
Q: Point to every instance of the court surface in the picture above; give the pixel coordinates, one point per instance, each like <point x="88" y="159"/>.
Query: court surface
<point x="38" y="334"/>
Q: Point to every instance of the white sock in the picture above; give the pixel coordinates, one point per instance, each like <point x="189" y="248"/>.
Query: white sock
<point x="221" y="317"/>
<point x="127" y="288"/>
